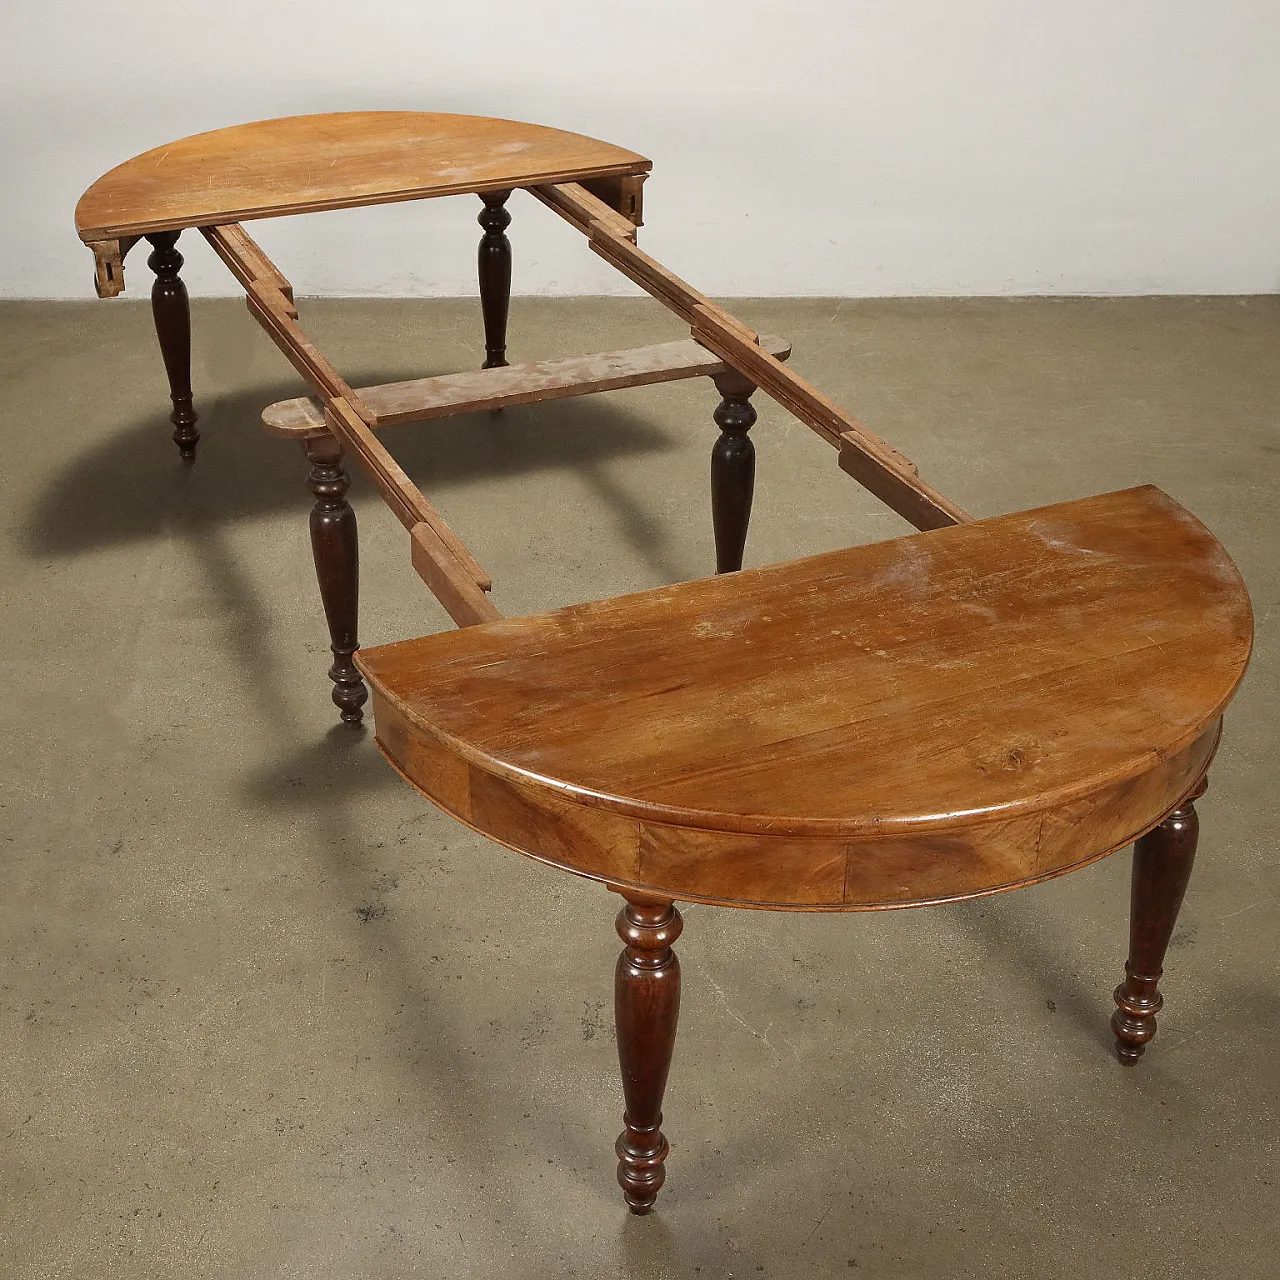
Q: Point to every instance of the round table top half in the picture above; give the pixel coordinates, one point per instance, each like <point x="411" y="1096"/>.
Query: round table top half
<point x="301" y="164"/>
<point x="948" y="714"/>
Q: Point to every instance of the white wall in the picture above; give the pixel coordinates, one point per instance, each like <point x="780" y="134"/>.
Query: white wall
<point x="837" y="147"/>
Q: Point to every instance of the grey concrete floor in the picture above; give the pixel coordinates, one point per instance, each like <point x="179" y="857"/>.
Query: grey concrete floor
<point x="266" y="1013"/>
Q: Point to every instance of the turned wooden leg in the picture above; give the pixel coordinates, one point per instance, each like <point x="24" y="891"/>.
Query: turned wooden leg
<point x="733" y="470"/>
<point x="172" y="315"/>
<point x="336" y="552"/>
<point x="494" y="261"/>
<point x="646" y="1006"/>
<point x="1162" y="862"/>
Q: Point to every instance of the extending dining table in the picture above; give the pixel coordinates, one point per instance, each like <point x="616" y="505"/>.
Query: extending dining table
<point x="974" y="707"/>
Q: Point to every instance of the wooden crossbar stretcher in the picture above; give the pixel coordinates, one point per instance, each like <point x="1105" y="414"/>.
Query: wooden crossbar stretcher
<point x="974" y="708"/>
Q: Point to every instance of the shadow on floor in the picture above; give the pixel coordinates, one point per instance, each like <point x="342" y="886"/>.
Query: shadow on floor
<point x="1038" y="967"/>
<point x="134" y="488"/>
<point x="117" y="492"/>
<point x="334" y="764"/>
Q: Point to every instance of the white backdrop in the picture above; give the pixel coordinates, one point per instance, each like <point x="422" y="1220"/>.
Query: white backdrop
<point x="829" y="147"/>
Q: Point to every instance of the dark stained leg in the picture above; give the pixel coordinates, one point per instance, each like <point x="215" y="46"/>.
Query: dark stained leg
<point x="646" y="1006"/>
<point x="337" y="556"/>
<point x="494" y="261"/>
<point x="1162" y="862"/>
<point x="733" y="470"/>
<point x="172" y="315"/>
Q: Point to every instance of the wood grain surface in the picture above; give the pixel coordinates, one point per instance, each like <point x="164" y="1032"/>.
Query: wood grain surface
<point x="300" y="164"/>
<point x="951" y="713"/>
<point x="421" y="399"/>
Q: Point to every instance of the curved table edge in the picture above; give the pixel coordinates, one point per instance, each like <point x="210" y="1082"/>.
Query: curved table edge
<point x="800" y="873"/>
<point x="638" y="164"/>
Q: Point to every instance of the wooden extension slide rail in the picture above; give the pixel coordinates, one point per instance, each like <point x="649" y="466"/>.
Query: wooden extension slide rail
<point x="871" y="461"/>
<point x="438" y="554"/>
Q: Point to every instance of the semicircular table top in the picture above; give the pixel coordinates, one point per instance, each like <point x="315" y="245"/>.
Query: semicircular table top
<point x="301" y="164"/>
<point x="938" y="715"/>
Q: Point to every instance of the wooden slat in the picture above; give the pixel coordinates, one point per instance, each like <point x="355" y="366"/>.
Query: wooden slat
<point x="410" y="506"/>
<point x="395" y="488"/>
<point x="915" y="501"/>
<point x="876" y="465"/>
<point x="573" y="202"/>
<point x="271" y="310"/>
<point x="824" y="415"/>
<point x="422" y="399"/>
<point x="664" y="285"/>
<point x="580" y="208"/>
<point x="246" y="261"/>
<point x="346" y="417"/>
<point x="448" y="578"/>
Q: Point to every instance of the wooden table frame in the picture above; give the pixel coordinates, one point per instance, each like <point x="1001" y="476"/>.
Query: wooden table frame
<point x="338" y="420"/>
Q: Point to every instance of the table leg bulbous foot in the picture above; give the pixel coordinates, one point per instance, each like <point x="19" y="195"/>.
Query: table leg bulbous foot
<point x="335" y="548"/>
<point x="1162" y="862"/>
<point x="646" y="1009"/>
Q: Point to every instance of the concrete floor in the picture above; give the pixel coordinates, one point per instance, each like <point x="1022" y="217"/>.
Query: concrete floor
<point x="266" y="1013"/>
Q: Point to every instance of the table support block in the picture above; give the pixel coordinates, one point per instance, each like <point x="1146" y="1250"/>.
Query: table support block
<point x="733" y="470"/>
<point x="646" y="1007"/>
<point x="172" y="313"/>
<point x="494" y="264"/>
<point x="335" y="548"/>
<point x="1162" y="862"/>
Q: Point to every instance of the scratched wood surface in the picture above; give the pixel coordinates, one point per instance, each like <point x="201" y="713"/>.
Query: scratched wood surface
<point x="300" y="164"/>
<point x="952" y="713"/>
<point x="421" y="399"/>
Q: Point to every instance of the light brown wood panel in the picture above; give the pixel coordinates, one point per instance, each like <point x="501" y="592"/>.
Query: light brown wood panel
<point x="1026" y="692"/>
<point x="300" y="164"/>
<point x="244" y="258"/>
<point x="422" y="399"/>
<point x="449" y="578"/>
<point x="1125" y="599"/>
